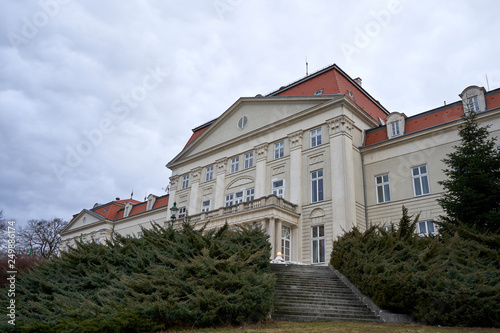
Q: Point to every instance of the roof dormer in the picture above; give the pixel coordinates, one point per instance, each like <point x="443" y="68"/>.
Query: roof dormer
<point x="128" y="209"/>
<point x="395" y="124"/>
<point x="473" y="99"/>
<point x="151" y="201"/>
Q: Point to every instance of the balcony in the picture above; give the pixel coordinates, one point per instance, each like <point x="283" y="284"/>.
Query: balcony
<point x="256" y="211"/>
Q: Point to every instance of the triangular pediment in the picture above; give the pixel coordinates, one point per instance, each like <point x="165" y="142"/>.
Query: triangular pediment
<point x="84" y="218"/>
<point x="249" y="115"/>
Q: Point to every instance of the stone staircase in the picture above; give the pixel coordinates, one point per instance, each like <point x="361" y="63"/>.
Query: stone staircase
<point x="315" y="293"/>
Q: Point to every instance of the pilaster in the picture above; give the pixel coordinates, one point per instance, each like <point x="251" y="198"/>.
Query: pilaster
<point x="220" y="169"/>
<point x="172" y="194"/>
<point x="195" y="186"/>
<point x="261" y="170"/>
<point x="296" y="180"/>
<point x="342" y="174"/>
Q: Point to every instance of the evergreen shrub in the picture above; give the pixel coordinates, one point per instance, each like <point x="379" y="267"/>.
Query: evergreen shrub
<point x="166" y="278"/>
<point x="453" y="281"/>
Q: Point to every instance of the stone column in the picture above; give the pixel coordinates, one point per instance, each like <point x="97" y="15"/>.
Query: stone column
<point x="261" y="170"/>
<point x="220" y="183"/>
<point x="278" y="238"/>
<point x="342" y="174"/>
<point x="195" y="186"/>
<point x="271" y="229"/>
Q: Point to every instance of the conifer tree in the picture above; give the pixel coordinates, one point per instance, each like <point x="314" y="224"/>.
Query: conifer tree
<point x="406" y="227"/>
<point x="472" y="190"/>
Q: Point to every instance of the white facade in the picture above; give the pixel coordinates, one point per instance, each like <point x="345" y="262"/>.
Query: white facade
<point x="313" y="175"/>
<point x="305" y="167"/>
<point x="305" y="151"/>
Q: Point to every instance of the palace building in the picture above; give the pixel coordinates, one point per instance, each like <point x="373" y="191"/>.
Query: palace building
<point x="306" y="163"/>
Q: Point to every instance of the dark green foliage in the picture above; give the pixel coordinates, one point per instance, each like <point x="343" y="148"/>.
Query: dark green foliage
<point x="450" y="281"/>
<point x="472" y="190"/>
<point x="167" y="278"/>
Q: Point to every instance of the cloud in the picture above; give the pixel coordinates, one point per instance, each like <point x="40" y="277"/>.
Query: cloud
<point x="63" y="82"/>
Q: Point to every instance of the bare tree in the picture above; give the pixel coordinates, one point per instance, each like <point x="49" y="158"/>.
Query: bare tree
<point x="3" y="231"/>
<point x="41" y="237"/>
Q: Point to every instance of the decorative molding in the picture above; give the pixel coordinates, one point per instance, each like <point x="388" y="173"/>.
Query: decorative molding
<point x="295" y="139"/>
<point x="240" y="181"/>
<point x="318" y="212"/>
<point x="183" y="198"/>
<point x="195" y="173"/>
<point x="316" y="159"/>
<point x="207" y="191"/>
<point x="340" y="125"/>
<point x="278" y="170"/>
<point x="261" y="151"/>
<point x="173" y="181"/>
<point x="221" y="165"/>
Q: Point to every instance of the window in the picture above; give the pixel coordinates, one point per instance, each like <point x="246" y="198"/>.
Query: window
<point x="84" y="220"/>
<point x="235" y="163"/>
<point x="182" y="212"/>
<point x="128" y="208"/>
<point x="395" y="128"/>
<point x="317" y="186"/>
<point x="185" y="182"/>
<point x="279" y="188"/>
<point x="318" y="244"/>
<point x="205" y="205"/>
<point x="249" y="160"/>
<point x="139" y="234"/>
<point x="316" y="137"/>
<point x="426" y="228"/>
<point x="209" y="173"/>
<point x="238" y="197"/>
<point x="383" y="192"/>
<point x="279" y="150"/>
<point x="229" y="199"/>
<point x="151" y="202"/>
<point x="473" y="104"/>
<point x="250" y="195"/>
<point x="242" y="123"/>
<point x="286" y="242"/>
<point x="420" y="180"/>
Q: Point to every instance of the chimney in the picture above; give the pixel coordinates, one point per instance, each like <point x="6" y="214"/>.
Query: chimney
<point x="117" y="198"/>
<point x="358" y="81"/>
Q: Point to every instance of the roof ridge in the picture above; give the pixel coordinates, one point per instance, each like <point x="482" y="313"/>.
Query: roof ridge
<point x="304" y="78"/>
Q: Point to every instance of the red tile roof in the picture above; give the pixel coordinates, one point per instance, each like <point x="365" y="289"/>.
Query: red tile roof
<point x="198" y="130"/>
<point x="435" y="117"/>
<point x="114" y="210"/>
<point x="332" y="80"/>
<point x="109" y="210"/>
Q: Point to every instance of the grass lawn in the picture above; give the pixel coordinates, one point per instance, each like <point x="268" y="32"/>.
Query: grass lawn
<point x="337" y="327"/>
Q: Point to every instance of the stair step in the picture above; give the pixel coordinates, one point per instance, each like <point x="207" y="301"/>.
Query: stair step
<point x="314" y="293"/>
<point x="306" y="318"/>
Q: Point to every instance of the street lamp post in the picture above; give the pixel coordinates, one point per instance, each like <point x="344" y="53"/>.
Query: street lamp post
<point x="174" y="210"/>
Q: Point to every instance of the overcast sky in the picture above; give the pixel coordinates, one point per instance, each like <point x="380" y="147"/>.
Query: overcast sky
<point x="97" y="96"/>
